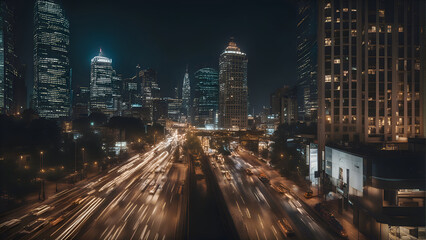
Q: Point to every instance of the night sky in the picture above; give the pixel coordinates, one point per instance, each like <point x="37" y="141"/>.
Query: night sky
<point x="168" y="35"/>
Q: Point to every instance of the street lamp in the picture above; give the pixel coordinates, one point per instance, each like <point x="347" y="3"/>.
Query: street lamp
<point x="82" y="152"/>
<point x="42" y="179"/>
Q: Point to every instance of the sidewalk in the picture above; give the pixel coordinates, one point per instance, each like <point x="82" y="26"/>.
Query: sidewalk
<point x="345" y="218"/>
<point x="299" y="189"/>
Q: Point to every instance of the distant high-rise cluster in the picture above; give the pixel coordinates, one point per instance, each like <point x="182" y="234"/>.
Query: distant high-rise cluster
<point x="233" y="92"/>
<point x="51" y="95"/>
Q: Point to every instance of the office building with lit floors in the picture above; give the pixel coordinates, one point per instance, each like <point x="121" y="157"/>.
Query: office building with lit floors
<point x="233" y="91"/>
<point x="369" y="71"/>
<point x="104" y="94"/>
<point x="51" y="93"/>
<point x="206" y="97"/>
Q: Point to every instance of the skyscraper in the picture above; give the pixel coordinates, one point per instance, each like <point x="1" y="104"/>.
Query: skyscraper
<point x="206" y="96"/>
<point x="369" y="71"/>
<point x="186" y="95"/>
<point x="51" y="96"/>
<point x="233" y="92"/>
<point x="151" y="90"/>
<point x="8" y="60"/>
<point x="104" y="92"/>
<point x="307" y="62"/>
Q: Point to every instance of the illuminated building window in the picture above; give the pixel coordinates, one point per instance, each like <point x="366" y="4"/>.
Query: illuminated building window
<point x="345" y="9"/>
<point x="328" y="19"/>
<point x="353" y="10"/>
<point x="336" y="61"/>
<point x="353" y="32"/>
<point x="327" y="78"/>
<point x="400" y="29"/>
<point x="381" y="13"/>
<point x="327" y="41"/>
<point x="389" y="28"/>
<point x="328" y="5"/>
<point x="372" y="29"/>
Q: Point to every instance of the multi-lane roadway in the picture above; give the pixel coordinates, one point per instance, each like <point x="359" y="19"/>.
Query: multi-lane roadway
<point x="139" y="199"/>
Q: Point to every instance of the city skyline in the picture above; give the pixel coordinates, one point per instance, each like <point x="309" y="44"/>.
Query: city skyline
<point x="160" y="45"/>
<point x="280" y="119"/>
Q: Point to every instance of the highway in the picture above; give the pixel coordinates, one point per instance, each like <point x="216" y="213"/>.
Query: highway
<point x="255" y="207"/>
<point x="139" y="199"/>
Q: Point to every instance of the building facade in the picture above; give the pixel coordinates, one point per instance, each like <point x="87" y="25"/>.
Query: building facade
<point x="369" y="74"/>
<point x="233" y="91"/>
<point x="9" y="69"/>
<point x="307" y="60"/>
<point x="81" y="101"/>
<point x="104" y="86"/>
<point x="206" y="97"/>
<point x="51" y="96"/>
<point x="284" y="105"/>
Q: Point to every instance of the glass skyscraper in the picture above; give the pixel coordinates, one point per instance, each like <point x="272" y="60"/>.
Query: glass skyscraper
<point x="8" y="60"/>
<point x="233" y="92"/>
<point x="104" y="91"/>
<point x="307" y="54"/>
<point x="186" y="95"/>
<point x="51" y="96"/>
<point x="206" y="96"/>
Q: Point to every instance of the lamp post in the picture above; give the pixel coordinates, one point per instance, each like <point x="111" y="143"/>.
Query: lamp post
<point x="42" y="177"/>
<point x="84" y="166"/>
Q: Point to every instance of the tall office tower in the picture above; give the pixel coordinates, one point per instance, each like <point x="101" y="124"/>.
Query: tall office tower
<point x="307" y="59"/>
<point x="369" y="71"/>
<point x="206" y="97"/>
<point x="51" y="97"/>
<point x="9" y="69"/>
<point x="150" y="89"/>
<point x="186" y="95"/>
<point x="233" y="92"/>
<point x="103" y="86"/>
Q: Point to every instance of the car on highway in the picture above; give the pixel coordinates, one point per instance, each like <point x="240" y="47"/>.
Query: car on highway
<point x="278" y="188"/>
<point x="308" y="194"/>
<point x="57" y="220"/>
<point x="34" y="226"/>
<point x="285" y="228"/>
<point x="9" y="224"/>
<point x="249" y="171"/>
<point x="40" y="210"/>
<point x="262" y="177"/>
<point x="153" y="189"/>
<point x="228" y="175"/>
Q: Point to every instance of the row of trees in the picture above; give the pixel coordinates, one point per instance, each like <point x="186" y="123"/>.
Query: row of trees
<point x="27" y="141"/>
<point x="286" y="157"/>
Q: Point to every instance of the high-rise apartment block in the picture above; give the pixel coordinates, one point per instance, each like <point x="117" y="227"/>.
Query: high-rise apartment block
<point x="51" y="96"/>
<point x="369" y="71"/>
<point x="233" y="91"/>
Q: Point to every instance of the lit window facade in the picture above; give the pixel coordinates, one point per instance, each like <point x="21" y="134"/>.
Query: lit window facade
<point x="206" y="96"/>
<point x="51" y="96"/>
<point x="370" y="77"/>
<point x="104" y="91"/>
<point x="233" y="92"/>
